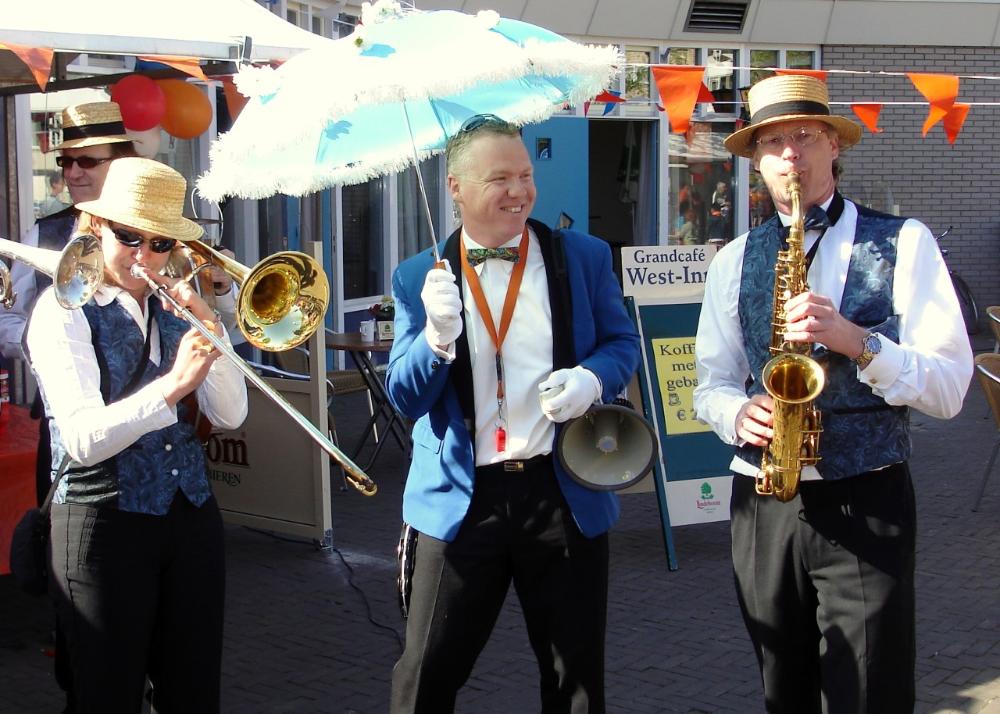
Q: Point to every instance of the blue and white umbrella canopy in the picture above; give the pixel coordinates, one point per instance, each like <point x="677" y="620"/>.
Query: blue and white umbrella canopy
<point x="335" y="116"/>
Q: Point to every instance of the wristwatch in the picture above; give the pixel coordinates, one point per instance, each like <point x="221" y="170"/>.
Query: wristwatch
<point x="870" y="346"/>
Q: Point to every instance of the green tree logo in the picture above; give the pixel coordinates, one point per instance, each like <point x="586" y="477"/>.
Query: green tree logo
<point x="706" y="490"/>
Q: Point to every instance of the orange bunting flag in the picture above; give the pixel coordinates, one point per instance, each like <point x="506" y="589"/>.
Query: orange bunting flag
<point x="954" y="120"/>
<point x="868" y="114"/>
<point x="939" y="90"/>
<point x="680" y="88"/>
<point x="234" y="100"/>
<point x="37" y="59"/>
<point x="819" y="74"/>
<point x="188" y="65"/>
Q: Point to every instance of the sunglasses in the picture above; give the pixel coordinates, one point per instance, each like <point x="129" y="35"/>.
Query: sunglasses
<point x="479" y="120"/>
<point x="131" y="239"/>
<point x="84" y="162"/>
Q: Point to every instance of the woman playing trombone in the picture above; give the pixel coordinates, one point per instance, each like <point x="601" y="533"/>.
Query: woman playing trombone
<point x="137" y="542"/>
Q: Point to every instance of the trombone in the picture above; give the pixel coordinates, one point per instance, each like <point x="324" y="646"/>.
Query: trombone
<point x="281" y="301"/>
<point x="78" y="271"/>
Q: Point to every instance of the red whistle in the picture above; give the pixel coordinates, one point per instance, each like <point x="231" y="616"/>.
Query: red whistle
<point x="501" y="439"/>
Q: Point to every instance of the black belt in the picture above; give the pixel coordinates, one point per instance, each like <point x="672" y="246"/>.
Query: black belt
<point x="515" y="466"/>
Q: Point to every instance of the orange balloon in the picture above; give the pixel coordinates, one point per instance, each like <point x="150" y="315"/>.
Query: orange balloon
<point x="189" y="113"/>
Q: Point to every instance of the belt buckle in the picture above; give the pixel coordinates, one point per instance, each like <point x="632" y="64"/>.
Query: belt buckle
<point x="513" y="466"/>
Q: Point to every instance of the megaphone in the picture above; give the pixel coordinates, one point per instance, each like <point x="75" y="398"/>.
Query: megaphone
<point x="607" y="449"/>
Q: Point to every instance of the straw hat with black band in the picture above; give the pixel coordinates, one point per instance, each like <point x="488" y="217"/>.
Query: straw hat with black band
<point x="91" y="124"/>
<point x="788" y="98"/>
<point x="144" y="194"/>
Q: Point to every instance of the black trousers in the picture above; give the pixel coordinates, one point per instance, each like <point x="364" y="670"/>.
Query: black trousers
<point x="825" y="584"/>
<point x="141" y="595"/>
<point x="518" y="529"/>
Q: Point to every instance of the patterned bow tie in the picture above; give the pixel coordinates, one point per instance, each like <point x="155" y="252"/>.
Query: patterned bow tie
<point x="478" y="255"/>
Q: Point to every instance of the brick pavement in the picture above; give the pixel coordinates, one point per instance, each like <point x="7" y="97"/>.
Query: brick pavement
<point x="310" y="631"/>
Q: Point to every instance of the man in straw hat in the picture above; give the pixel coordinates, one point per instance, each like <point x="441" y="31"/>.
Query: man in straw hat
<point x="93" y="137"/>
<point x="137" y="543"/>
<point x="825" y="581"/>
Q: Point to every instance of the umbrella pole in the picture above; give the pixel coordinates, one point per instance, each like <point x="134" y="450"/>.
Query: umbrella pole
<point x="420" y="185"/>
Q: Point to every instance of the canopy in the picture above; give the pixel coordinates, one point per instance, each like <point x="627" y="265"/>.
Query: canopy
<point x="212" y="30"/>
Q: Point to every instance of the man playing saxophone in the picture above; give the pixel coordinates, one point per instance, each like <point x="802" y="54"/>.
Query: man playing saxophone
<point x="825" y="580"/>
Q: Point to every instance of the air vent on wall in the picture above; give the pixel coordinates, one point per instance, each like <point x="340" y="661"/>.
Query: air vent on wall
<point x="716" y="16"/>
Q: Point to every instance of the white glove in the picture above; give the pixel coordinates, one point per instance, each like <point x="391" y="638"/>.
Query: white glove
<point x="576" y="391"/>
<point x="443" y="306"/>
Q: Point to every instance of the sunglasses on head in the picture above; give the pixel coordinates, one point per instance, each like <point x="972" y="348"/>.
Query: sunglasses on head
<point x="84" y="162"/>
<point x="479" y="120"/>
<point x="131" y="239"/>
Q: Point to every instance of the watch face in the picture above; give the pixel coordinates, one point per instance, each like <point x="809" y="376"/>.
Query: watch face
<point x="873" y="344"/>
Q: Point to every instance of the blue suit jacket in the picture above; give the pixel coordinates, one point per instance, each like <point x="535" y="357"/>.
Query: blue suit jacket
<point x="594" y="331"/>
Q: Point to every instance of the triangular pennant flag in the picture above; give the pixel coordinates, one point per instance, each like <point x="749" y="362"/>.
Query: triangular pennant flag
<point x="939" y="90"/>
<point x="868" y="114"/>
<point x="819" y="74"/>
<point x="37" y="59"/>
<point x="234" y="100"/>
<point x="188" y="65"/>
<point x="705" y="95"/>
<point x="679" y="88"/>
<point x="610" y="99"/>
<point x="954" y="120"/>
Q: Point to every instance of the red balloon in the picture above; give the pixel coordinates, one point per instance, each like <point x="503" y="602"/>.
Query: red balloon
<point x="141" y="100"/>
<point x="189" y="112"/>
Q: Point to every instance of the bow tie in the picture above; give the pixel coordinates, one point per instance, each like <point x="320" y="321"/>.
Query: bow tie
<point x="816" y="220"/>
<point x="476" y="256"/>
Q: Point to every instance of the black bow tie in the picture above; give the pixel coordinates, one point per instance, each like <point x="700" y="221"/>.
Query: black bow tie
<point x="815" y="220"/>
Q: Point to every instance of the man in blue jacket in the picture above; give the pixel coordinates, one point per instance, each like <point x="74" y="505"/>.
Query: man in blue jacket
<point x="526" y="313"/>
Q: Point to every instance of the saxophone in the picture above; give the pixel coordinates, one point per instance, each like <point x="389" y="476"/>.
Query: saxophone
<point x="791" y="376"/>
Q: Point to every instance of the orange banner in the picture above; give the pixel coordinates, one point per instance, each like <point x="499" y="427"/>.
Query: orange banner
<point x="868" y="114"/>
<point x="939" y="90"/>
<point x="234" y="100"/>
<point x="188" y="65"/>
<point x="679" y="89"/>
<point x="37" y="59"/>
<point x="954" y="120"/>
<point x="819" y="74"/>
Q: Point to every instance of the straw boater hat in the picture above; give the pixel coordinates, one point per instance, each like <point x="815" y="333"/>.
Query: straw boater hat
<point x="144" y="194"/>
<point x="91" y="124"/>
<point x="787" y="98"/>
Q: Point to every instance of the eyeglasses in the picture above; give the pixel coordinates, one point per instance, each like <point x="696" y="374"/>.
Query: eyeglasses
<point x="800" y="138"/>
<point x="479" y="120"/>
<point x="131" y="239"/>
<point x="84" y="162"/>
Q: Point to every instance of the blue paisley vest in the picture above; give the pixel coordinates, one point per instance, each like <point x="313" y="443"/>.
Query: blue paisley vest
<point x="860" y="431"/>
<point x="144" y="477"/>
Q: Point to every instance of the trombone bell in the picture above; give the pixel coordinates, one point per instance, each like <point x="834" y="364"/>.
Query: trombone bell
<point x="77" y="272"/>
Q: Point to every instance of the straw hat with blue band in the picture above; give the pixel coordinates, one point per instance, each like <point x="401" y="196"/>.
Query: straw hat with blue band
<point x="788" y="98"/>
<point x="91" y="124"/>
<point x="144" y="194"/>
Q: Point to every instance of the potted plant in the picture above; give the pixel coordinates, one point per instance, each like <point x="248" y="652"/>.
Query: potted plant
<point x="384" y="312"/>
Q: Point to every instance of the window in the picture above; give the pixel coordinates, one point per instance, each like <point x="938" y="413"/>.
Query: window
<point x="720" y="78"/>
<point x="364" y="260"/>
<point x="637" y="78"/>
<point x="702" y="185"/>
<point x="800" y="59"/>
<point x="762" y="58"/>
<point x="414" y="234"/>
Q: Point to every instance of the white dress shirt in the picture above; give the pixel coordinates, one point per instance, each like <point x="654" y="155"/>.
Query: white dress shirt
<point x="928" y="370"/>
<point x="527" y="355"/>
<point x="65" y="364"/>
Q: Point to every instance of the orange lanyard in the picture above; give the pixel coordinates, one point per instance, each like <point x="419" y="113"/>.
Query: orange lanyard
<point x="510" y="301"/>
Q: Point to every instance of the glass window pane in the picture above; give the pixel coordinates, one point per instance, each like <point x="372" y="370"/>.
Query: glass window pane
<point x="363" y="253"/>
<point x="762" y="58"/>
<point x="414" y="234"/>
<point x="761" y="205"/>
<point x="800" y="59"/>
<point x="637" y="78"/>
<point x="702" y="185"/>
<point x="720" y="78"/>
<point x="680" y="55"/>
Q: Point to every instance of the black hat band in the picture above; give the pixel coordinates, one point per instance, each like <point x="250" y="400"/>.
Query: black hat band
<point x="787" y="108"/>
<point x="93" y="131"/>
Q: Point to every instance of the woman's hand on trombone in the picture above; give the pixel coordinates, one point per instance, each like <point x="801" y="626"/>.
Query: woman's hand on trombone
<point x="195" y="354"/>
